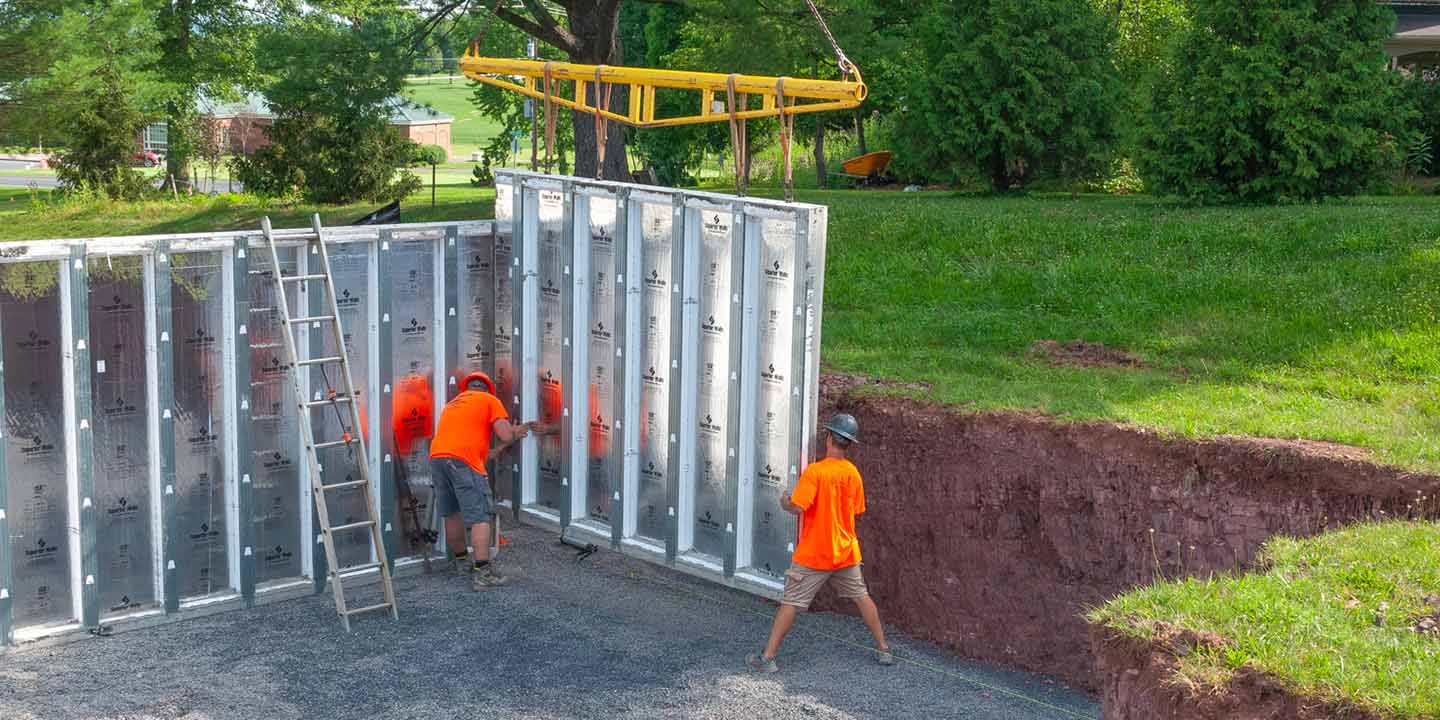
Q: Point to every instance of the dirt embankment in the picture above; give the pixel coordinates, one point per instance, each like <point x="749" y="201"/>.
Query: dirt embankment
<point x="992" y="533"/>
<point x="1136" y="686"/>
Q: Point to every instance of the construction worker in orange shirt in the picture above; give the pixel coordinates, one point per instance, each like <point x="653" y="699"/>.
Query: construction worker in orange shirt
<point x="457" y="461"/>
<point x="828" y="497"/>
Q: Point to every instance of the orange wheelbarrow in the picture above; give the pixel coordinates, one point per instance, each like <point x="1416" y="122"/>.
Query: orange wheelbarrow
<point x="866" y="169"/>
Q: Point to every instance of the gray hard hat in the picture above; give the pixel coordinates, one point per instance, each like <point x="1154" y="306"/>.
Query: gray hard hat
<point x="845" y="426"/>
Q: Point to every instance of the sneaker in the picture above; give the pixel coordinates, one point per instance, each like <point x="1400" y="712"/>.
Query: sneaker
<point x="885" y="657"/>
<point x="485" y="579"/>
<point x="761" y="664"/>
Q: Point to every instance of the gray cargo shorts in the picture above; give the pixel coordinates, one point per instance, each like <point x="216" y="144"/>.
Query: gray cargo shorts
<point x="459" y="489"/>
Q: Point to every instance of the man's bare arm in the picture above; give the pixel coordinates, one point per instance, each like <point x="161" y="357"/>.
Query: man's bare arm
<point x="789" y="506"/>
<point x="508" y="435"/>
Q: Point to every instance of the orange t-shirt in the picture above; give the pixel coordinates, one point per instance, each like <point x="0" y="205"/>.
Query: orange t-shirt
<point x="831" y="494"/>
<point x="465" y="427"/>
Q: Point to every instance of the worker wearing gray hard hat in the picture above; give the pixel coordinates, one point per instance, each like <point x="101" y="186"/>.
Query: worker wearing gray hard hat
<point x="828" y="497"/>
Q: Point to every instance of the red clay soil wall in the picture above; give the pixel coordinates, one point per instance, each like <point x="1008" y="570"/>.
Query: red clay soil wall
<point x="1136" y="687"/>
<point x="992" y="533"/>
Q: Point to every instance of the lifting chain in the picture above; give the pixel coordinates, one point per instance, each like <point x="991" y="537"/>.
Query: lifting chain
<point x="841" y="59"/>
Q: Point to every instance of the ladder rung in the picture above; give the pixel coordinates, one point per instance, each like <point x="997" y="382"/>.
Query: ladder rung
<point x="320" y="361"/>
<point x="332" y="444"/>
<point x="341" y="486"/>
<point x="303" y="278"/>
<point x="356" y="569"/>
<point x="341" y="400"/>
<point x="368" y="608"/>
<point x="316" y="318"/>
<point x="352" y="526"/>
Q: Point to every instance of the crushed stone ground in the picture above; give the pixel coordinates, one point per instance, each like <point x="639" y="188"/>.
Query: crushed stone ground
<point x="607" y="637"/>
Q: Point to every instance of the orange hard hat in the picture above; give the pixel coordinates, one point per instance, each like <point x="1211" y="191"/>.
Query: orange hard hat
<point x="479" y="377"/>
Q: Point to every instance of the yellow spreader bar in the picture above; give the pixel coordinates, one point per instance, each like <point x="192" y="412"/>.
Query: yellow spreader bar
<point x="801" y="95"/>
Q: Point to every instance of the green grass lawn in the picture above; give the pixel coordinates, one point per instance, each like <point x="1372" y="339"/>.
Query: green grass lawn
<point x="1333" y="617"/>
<point x="1312" y="322"/>
<point x="1315" y="322"/>
<point x="471" y="130"/>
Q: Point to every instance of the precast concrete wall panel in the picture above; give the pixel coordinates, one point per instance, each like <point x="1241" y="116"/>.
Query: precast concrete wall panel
<point x="126" y="574"/>
<point x="38" y="497"/>
<point x="413" y="328"/>
<point x="281" y="504"/>
<point x="504" y="469"/>
<point x="197" y="316"/>
<point x="655" y="226"/>
<point x="665" y="343"/>
<point x="598" y="404"/>
<point x="687" y="397"/>
<point x="350" y="267"/>
<point x="552" y="278"/>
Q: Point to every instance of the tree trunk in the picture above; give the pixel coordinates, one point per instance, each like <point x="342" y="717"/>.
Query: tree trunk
<point x="179" y="128"/>
<point x="999" y="172"/>
<point x="598" y="31"/>
<point x="821" y="176"/>
<point x="860" y="133"/>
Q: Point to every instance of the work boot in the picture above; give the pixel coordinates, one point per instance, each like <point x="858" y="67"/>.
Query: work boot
<point x="485" y="578"/>
<point x="761" y="664"/>
<point x="885" y="657"/>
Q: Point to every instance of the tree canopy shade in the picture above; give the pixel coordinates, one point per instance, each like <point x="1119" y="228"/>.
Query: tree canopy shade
<point x="1273" y="101"/>
<point x="1023" y="87"/>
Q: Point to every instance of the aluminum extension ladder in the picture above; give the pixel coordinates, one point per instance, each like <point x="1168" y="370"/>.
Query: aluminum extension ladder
<point x="352" y="438"/>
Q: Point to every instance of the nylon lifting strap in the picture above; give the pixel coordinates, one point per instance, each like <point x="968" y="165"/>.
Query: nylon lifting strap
<point x="549" y="117"/>
<point x="602" y="125"/>
<point x="787" y="134"/>
<point x="737" y="135"/>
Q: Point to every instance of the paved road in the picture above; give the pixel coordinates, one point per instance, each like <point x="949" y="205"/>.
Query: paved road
<point x="604" y="638"/>
<point x="49" y="181"/>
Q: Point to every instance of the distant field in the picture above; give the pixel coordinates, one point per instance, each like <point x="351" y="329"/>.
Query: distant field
<point x="471" y="131"/>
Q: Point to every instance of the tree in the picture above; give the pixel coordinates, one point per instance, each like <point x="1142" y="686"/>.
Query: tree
<point x="330" y="93"/>
<point x="589" y="33"/>
<point x="95" y="92"/>
<point x="1284" y="100"/>
<point x="206" y="46"/>
<point x="101" y="134"/>
<point x="1020" y="87"/>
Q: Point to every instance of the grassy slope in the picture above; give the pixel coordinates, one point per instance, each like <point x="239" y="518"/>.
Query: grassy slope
<point x="1334" y="616"/>
<point x="471" y="130"/>
<point x="1306" y="322"/>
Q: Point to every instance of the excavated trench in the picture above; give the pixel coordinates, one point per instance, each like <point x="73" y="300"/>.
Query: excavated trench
<point x="992" y="533"/>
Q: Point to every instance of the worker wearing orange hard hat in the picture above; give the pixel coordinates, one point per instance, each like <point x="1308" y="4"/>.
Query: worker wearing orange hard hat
<point x="458" y="452"/>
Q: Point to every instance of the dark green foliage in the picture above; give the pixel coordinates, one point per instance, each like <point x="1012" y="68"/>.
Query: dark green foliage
<point x="1423" y="90"/>
<point x="428" y="155"/>
<point x="331" y="141"/>
<point x="101" y="136"/>
<point x="1021" y="88"/>
<point x="1273" y="101"/>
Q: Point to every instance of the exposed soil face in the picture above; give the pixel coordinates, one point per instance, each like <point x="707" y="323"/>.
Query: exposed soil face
<point x="1137" y="686"/>
<point x="992" y="533"/>
<point x="1084" y="354"/>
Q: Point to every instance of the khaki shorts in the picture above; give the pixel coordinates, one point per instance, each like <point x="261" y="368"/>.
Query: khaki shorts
<point x="802" y="584"/>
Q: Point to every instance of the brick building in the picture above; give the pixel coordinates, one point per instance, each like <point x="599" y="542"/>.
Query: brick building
<point x="242" y="124"/>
